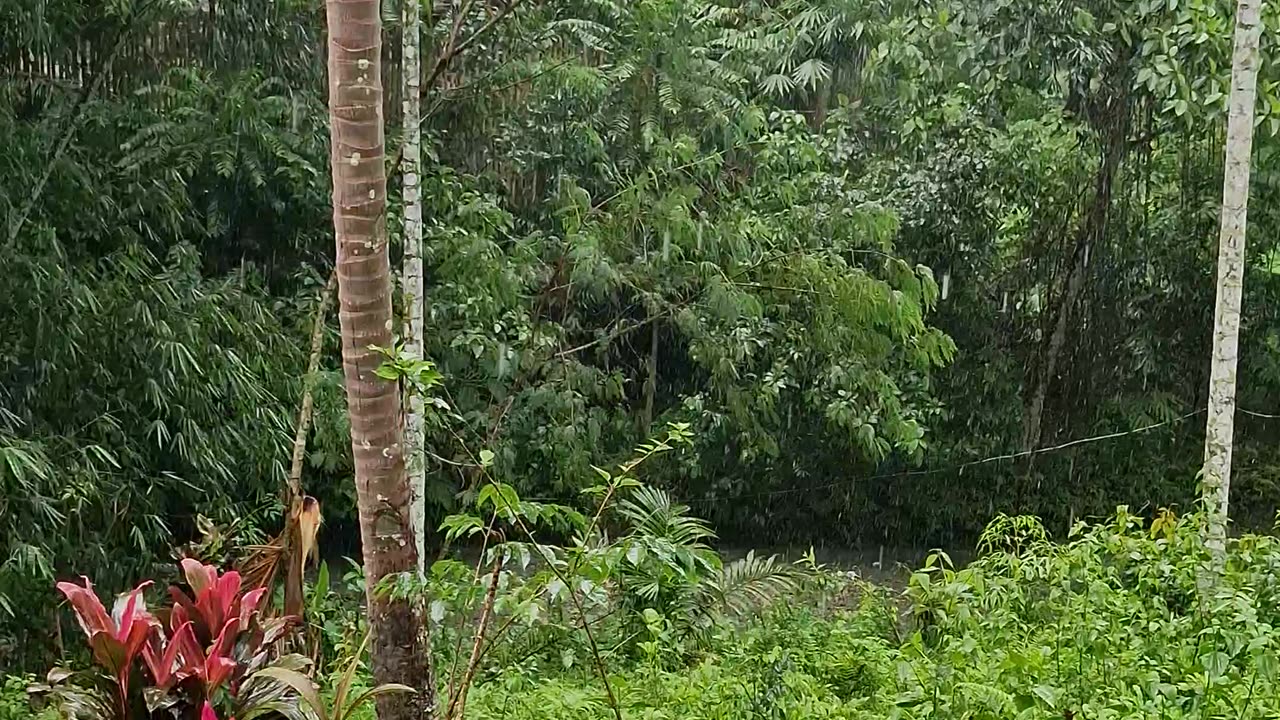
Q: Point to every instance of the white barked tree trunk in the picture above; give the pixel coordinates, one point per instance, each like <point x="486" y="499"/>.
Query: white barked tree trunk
<point x="1220" y="424"/>
<point x="413" y="284"/>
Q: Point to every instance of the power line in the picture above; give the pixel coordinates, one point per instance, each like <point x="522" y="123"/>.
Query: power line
<point x="972" y="463"/>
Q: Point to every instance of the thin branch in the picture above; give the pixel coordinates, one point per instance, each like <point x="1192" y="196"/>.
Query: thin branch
<point x="778" y="288"/>
<point x="446" y="461"/>
<point x="631" y="186"/>
<point x="453" y="48"/>
<point x="459" y="698"/>
<point x="586" y="626"/>
<point x="458" y="19"/>
<point x="969" y="464"/>
<point x="671" y="310"/>
<point x="462" y="616"/>
<point x="493" y="91"/>
<point x="573" y="595"/>
<point x="308" y="384"/>
<point x="535" y="649"/>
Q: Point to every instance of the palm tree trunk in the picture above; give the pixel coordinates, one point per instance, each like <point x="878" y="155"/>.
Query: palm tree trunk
<point x="1219" y="427"/>
<point x="364" y="297"/>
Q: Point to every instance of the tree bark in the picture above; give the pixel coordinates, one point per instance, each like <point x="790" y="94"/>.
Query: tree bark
<point x="414" y="288"/>
<point x="364" y="296"/>
<point x="413" y="283"/>
<point x="1219" y="427"/>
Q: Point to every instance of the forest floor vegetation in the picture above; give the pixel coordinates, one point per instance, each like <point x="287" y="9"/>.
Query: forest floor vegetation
<point x="1108" y="623"/>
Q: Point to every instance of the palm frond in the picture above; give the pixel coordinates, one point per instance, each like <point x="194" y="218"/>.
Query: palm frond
<point x="750" y="583"/>
<point x="653" y="514"/>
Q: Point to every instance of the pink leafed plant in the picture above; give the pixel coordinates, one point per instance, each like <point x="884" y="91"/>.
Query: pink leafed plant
<point x="116" y="639"/>
<point x="214" y="639"/>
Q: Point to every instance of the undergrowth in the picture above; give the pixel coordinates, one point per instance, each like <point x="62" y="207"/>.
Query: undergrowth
<point x="1122" y="620"/>
<point x="1106" y="625"/>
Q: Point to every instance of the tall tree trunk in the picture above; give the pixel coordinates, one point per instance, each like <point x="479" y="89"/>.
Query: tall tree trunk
<point x="414" y="286"/>
<point x="414" y="291"/>
<point x="1219" y="427"/>
<point x="1092" y="229"/>
<point x="364" y="296"/>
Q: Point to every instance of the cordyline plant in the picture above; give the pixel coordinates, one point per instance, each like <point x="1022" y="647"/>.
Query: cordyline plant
<point x="201" y="657"/>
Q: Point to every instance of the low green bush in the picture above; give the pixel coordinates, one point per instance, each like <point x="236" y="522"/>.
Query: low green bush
<point x="1110" y="624"/>
<point x="15" y="703"/>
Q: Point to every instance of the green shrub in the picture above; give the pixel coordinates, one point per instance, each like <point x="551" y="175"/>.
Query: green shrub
<point x="15" y="703"/>
<point x="1110" y="624"/>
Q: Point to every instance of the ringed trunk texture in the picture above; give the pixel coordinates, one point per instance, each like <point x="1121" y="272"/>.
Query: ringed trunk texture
<point x="364" y="297"/>
<point x="1220" y="425"/>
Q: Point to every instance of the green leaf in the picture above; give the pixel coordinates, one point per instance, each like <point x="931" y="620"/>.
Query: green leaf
<point x="300" y="683"/>
<point x="366" y="696"/>
<point x="1215" y="664"/>
<point x="1048" y="694"/>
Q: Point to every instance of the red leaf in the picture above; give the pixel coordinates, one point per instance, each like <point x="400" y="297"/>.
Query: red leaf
<point x="190" y="656"/>
<point x="178" y="661"/>
<point x="228" y="594"/>
<point x="180" y="615"/>
<point x="88" y="608"/>
<point x="128" y="605"/>
<point x="110" y="653"/>
<point x="249" y="605"/>
<point x="216" y="671"/>
<point x="133" y="623"/>
<point x="226" y="639"/>
<point x="207" y="712"/>
<point x="117" y="639"/>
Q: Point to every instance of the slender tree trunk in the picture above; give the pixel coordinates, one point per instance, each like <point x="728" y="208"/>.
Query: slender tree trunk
<point x="364" y="295"/>
<point x="414" y="291"/>
<point x="651" y="385"/>
<point x="303" y="428"/>
<point x="413" y="281"/>
<point x="293" y="545"/>
<point x="1091" y="231"/>
<point x="76" y="116"/>
<point x="1219" y="427"/>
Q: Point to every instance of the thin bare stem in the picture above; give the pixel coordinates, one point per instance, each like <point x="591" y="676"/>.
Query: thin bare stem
<point x="308" y="385"/>
<point x="459" y="699"/>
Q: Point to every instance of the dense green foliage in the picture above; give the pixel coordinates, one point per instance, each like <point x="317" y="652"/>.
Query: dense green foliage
<point x="1106" y="625"/>
<point x="834" y="237"/>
